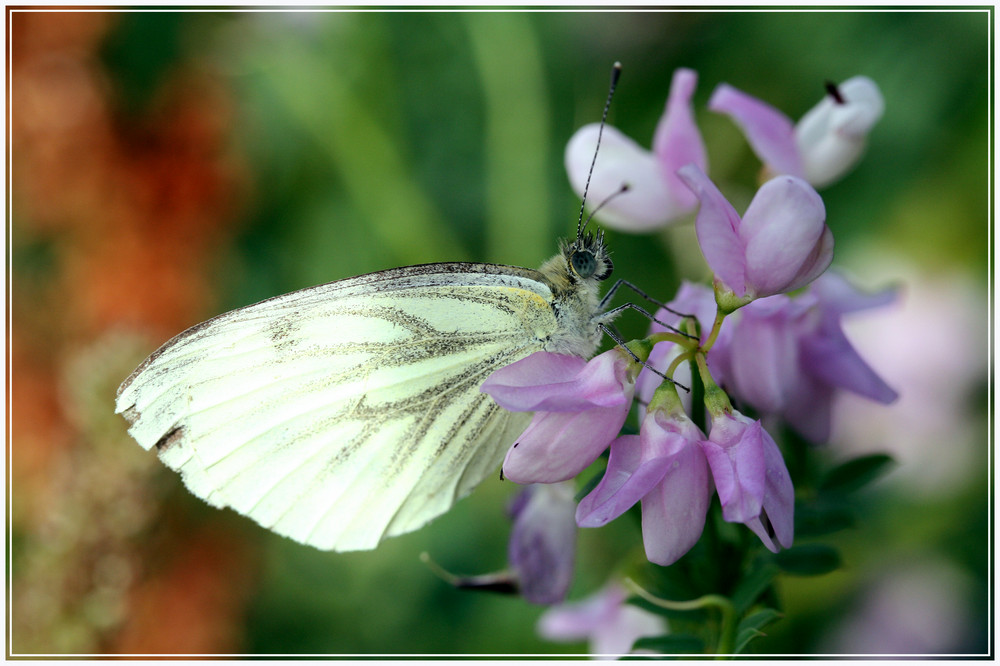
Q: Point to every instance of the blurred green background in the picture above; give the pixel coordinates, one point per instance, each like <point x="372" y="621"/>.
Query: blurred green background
<point x="168" y="166"/>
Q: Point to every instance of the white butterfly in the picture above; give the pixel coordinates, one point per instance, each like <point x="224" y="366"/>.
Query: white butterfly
<point x="344" y="413"/>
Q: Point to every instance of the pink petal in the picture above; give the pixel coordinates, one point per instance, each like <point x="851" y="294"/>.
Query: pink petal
<point x="628" y="477"/>
<point x="673" y="513"/>
<point x="779" y="493"/>
<point x="578" y="620"/>
<point x="817" y="263"/>
<point x="810" y="409"/>
<point x="541" y="382"/>
<point x="559" y="445"/>
<point x="782" y="229"/>
<point x="635" y="466"/>
<point x="677" y="140"/>
<point x="839" y="296"/>
<point x="779" y="500"/>
<point x="833" y="359"/>
<point x="769" y="132"/>
<point x="736" y="457"/>
<point x="764" y="353"/>
<point x="605" y="381"/>
<point x="717" y="226"/>
<point x="542" y="545"/>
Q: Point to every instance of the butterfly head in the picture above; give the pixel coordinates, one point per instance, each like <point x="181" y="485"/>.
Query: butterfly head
<point x="588" y="258"/>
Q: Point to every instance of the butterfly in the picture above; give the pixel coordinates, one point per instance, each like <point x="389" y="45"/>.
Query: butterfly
<point x="348" y="412"/>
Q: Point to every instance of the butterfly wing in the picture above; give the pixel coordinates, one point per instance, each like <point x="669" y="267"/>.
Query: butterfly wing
<point x="344" y="413"/>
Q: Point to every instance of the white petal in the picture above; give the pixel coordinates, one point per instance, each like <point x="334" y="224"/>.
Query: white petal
<point x="647" y="205"/>
<point x="832" y="136"/>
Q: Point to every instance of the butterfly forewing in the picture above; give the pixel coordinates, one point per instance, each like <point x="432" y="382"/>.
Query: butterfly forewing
<point x="344" y="413"/>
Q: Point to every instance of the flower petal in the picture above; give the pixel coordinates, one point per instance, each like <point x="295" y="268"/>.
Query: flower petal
<point x="576" y="621"/>
<point x="677" y="140"/>
<point x="832" y="358"/>
<point x="735" y="455"/>
<point x="560" y="382"/>
<point x="816" y="263"/>
<point x="779" y="494"/>
<point x="605" y="381"/>
<point x="537" y="382"/>
<point x="717" y="226"/>
<point x="611" y="625"/>
<point x="673" y="513"/>
<point x="558" y="445"/>
<point x="777" y="520"/>
<point x="764" y="354"/>
<point x="648" y="204"/>
<point x="628" y="477"/>
<point x="810" y="409"/>
<point x="542" y="544"/>
<point x="838" y="296"/>
<point x="636" y="465"/>
<point x="769" y="132"/>
<point x="832" y="136"/>
<point x="783" y="230"/>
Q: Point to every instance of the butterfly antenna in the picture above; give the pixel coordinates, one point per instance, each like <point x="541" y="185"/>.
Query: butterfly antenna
<point x="621" y="190"/>
<point x="616" y="71"/>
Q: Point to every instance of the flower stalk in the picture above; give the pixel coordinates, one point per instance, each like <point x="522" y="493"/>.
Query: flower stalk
<point x="727" y="633"/>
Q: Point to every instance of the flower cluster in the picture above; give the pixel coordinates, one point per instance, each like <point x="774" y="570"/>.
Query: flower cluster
<point x="782" y="356"/>
<point x="765" y="339"/>
<point x="820" y="149"/>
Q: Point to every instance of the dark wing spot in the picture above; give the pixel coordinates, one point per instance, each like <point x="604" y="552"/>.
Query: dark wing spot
<point x="170" y="439"/>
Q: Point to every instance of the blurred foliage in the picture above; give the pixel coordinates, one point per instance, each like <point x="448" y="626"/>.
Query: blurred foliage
<point x="171" y="165"/>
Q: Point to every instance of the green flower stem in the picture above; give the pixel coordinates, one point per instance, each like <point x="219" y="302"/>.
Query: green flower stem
<point x="438" y="570"/>
<point x="686" y="356"/>
<point x="727" y="634"/>
<point x="716" y="399"/>
<point x="716" y="327"/>
<point x="676" y="338"/>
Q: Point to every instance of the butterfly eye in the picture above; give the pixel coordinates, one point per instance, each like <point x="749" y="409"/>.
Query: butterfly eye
<point x="584" y="263"/>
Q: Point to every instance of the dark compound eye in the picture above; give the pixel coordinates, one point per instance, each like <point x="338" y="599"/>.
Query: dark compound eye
<point x="584" y="263"/>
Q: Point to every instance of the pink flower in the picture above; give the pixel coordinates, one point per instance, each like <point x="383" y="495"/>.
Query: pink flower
<point x="751" y="478"/>
<point x="610" y="624"/>
<point x="542" y="544"/>
<point x="781" y="243"/>
<point x="829" y="362"/>
<point x="656" y="196"/>
<point x="665" y="468"/>
<point x="579" y="409"/>
<point x="826" y="143"/>
<point x="789" y="356"/>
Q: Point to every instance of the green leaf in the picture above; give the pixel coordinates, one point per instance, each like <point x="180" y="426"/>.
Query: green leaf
<point x="744" y="637"/>
<point x="753" y="585"/>
<point x="671" y="644"/>
<point x="750" y="627"/>
<point x="855" y="473"/>
<point x="812" y="559"/>
<point x="819" y="518"/>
